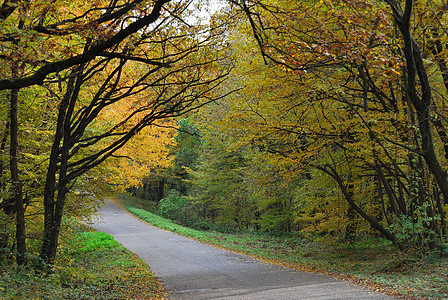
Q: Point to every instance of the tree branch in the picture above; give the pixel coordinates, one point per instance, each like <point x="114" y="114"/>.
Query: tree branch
<point x="39" y="76"/>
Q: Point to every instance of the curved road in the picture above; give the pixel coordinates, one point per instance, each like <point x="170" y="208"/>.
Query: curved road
<point x="191" y="270"/>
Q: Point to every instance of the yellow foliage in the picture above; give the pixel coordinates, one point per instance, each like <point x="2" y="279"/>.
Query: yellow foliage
<point x="147" y="150"/>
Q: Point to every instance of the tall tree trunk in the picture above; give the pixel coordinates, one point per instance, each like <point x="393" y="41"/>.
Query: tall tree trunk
<point x="6" y="205"/>
<point x="16" y="183"/>
<point x="50" y="184"/>
<point x="52" y="236"/>
<point x="53" y="206"/>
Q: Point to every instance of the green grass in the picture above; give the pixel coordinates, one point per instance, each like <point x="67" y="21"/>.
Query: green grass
<point x="374" y="263"/>
<point x="161" y="222"/>
<point x="90" y="265"/>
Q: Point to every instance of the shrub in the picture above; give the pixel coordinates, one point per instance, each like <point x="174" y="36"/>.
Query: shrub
<point x="173" y="206"/>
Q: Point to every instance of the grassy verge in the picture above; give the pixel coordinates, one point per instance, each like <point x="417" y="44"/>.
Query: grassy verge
<point x="374" y="263"/>
<point x="91" y="265"/>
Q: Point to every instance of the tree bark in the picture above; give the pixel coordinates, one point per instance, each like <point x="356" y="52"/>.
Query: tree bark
<point x="53" y="210"/>
<point x="8" y="205"/>
<point x="16" y="183"/>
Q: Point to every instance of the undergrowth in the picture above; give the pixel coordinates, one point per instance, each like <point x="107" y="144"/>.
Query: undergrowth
<point x="90" y="265"/>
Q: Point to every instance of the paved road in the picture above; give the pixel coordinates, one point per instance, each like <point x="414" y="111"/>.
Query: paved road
<point x="191" y="270"/>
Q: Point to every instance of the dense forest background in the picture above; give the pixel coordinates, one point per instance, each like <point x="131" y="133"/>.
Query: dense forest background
<point x="334" y="127"/>
<point x="326" y="119"/>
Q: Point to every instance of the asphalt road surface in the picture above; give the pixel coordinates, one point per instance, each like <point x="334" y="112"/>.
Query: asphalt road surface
<point x="191" y="270"/>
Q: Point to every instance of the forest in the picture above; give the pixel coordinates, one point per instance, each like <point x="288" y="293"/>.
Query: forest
<point x="332" y="124"/>
<point x="323" y="119"/>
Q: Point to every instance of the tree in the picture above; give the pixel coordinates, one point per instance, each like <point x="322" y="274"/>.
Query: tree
<point x="355" y="94"/>
<point x="94" y="58"/>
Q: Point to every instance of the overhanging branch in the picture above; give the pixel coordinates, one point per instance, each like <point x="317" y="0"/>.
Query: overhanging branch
<point x="39" y="76"/>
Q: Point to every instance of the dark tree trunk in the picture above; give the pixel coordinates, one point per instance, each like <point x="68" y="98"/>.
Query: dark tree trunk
<point x="16" y="183"/>
<point x="6" y="205"/>
<point x="54" y="205"/>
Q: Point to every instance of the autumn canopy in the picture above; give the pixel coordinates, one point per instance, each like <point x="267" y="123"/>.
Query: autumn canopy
<point x="324" y="118"/>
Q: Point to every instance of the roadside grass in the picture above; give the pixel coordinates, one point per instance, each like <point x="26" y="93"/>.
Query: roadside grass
<point x="91" y="265"/>
<point x="371" y="262"/>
